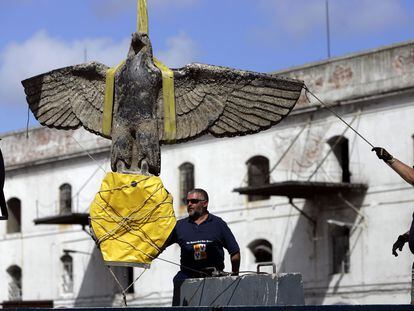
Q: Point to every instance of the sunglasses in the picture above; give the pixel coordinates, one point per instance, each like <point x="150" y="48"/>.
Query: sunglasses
<point x="194" y="201"/>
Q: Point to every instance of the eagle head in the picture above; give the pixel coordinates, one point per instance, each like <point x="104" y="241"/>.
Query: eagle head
<point x="139" y="42"/>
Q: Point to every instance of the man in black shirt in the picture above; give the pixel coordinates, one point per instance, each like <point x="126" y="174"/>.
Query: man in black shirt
<point x="202" y="237"/>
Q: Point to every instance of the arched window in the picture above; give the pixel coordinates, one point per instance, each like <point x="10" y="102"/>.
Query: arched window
<point x="65" y="199"/>
<point x="186" y="181"/>
<point x="15" y="282"/>
<point x="262" y="250"/>
<point x="14" y="221"/>
<point x="67" y="274"/>
<point x="340" y="148"/>
<point x="257" y="175"/>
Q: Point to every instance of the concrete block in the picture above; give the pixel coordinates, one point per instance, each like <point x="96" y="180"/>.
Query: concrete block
<point x="246" y="290"/>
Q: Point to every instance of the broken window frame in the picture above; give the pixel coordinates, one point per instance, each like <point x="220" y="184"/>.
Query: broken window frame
<point x="15" y="283"/>
<point x="67" y="284"/>
<point x="65" y="199"/>
<point x="14" y="224"/>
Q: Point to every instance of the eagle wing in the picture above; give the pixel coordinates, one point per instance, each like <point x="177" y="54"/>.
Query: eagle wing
<point x="69" y="97"/>
<point x="227" y="102"/>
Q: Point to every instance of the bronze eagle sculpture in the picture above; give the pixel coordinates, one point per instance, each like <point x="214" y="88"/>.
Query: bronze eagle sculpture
<point x="209" y="99"/>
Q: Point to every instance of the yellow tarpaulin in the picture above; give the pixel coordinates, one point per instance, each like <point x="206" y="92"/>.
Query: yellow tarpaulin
<point x="131" y="217"/>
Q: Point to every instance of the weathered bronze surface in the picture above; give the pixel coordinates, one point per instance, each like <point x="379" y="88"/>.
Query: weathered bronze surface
<point x="209" y="99"/>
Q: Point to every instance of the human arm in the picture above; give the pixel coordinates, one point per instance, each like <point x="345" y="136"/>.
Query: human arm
<point x="172" y="238"/>
<point x="230" y="243"/>
<point x="406" y="172"/>
<point x="399" y="244"/>
<point x="235" y="263"/>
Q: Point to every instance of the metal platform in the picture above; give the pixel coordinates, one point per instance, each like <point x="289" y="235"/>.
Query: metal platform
<point x="252" y="308"/>
<point x="247" y="290"/>
<point x="302" y="189"/>
<point x="64" y="219"/>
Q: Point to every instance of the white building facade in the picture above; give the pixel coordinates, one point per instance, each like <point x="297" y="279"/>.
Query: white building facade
<point x="340" y="240"/>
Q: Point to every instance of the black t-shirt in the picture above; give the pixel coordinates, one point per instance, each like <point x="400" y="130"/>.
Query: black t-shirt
<point x="202" y="245"/>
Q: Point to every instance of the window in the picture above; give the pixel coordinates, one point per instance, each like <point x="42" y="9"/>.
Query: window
<point x="14" y="221"/>
<point x="67" y="274"/>
<point x="257" y="175"/>
<point x="262" y="250"/>
<point x="340" y="148"/>
<point x="186" y="181"/>
<point x="65" y="199"/>
<point x="15" y="282"/>
<point x="340" y="249"/>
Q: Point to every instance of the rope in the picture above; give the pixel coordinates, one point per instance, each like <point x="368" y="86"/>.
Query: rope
<point x="89" y="155"/>
<point x="287" y="150"/>
<point x="143" y="220"/>
<point x="333" y="112"/>
<point x="331" y="150"/>
<point x="136" y="279"/>
<point x="124" y="291"/>
<point x="119" y="285"/>
<point x="124" y="224"/>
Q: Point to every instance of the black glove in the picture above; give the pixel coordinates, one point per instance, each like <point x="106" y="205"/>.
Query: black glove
<point x="382" y="154"/>
<point x="402" y="239"/>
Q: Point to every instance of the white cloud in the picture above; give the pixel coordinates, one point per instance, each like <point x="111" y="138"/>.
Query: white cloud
<point x="300" y="18"/>
<point x="42" y="53"/>
<point x="181" y="51"/>
<point x="367" y="16"/>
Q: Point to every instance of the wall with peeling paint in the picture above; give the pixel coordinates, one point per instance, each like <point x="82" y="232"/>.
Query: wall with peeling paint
<point x="373" y="90"/>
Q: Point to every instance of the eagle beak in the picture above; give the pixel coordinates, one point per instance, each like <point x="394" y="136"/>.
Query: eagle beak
<point x="137" y="43"/>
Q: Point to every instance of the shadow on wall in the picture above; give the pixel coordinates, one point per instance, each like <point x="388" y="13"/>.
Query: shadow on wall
<point x="320" y="252"/>
<point x="98" y="288"/>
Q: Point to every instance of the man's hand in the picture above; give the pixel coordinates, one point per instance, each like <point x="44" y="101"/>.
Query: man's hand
<point x="402" y="239"/>
<point x="235" y="263"/>
<point x="382" y="154"/>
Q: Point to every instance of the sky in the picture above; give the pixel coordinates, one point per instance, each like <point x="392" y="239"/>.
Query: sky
<point x="260" y="35"/>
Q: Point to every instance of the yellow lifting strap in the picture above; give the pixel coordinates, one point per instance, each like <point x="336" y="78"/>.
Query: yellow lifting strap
<point x="168" y="98"/>
<point x="142" y="13"/>
<point x="168" y="94"/>
<point x="109" y="99"/>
